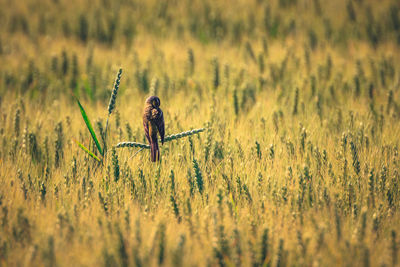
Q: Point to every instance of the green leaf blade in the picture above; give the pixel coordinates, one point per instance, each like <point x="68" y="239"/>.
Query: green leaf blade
<point x="90" y="128"/>
<point x="88" y="151"/>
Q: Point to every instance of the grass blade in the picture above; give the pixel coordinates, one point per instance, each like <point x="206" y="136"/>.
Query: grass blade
<point x="88" y="151"/>
<point x="89" y="126"/>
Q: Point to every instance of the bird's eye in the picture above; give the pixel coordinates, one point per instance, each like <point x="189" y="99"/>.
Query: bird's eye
<point x="154" y="103"/>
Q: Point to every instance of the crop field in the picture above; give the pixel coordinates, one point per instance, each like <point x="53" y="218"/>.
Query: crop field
<point x="282" y="124"/>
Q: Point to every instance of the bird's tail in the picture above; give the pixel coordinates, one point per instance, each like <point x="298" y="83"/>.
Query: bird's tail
<point x="155" y="151"/>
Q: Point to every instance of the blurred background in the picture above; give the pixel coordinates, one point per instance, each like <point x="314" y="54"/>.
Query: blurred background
<point x="80" y="42"/>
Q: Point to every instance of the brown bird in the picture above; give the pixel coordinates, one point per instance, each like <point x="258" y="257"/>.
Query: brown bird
<point x="153" y="122"/>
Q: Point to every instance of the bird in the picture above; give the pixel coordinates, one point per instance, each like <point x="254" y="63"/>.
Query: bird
<point x="153" y="123"/>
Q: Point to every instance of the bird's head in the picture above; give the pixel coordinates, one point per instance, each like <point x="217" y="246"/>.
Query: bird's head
<point x="154" y="101"/>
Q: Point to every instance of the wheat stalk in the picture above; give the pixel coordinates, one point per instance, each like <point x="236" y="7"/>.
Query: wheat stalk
<point x="111" y="104"/>
<point x="132" y="144"/>
<point x="166" y="139"/>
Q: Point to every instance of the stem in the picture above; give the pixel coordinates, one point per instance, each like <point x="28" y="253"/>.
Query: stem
<point x="136" y="153"/>
<point x="105" y="137"/>
<point x="166" y="139"/>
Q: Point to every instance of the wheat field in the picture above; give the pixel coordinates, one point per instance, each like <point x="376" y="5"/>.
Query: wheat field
<point x="294" y="160"/>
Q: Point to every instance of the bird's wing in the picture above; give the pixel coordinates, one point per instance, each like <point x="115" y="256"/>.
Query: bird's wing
<point x="161" y="127"/>
<point x="146" y="130"/>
